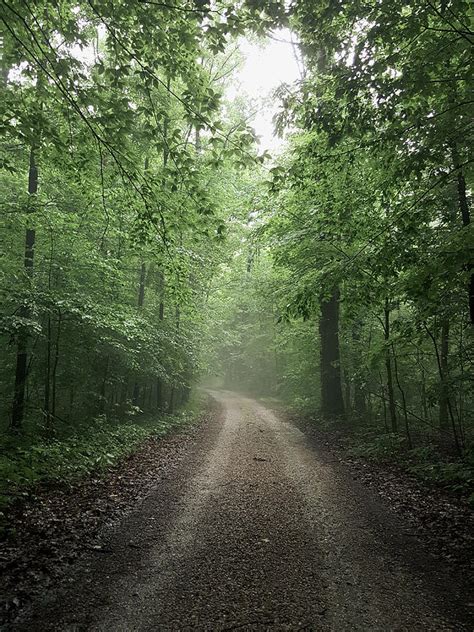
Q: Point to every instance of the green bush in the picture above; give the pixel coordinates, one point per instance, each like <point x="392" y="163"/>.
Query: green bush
<point x="425" y="462"/>
<point x="457" y="476"/>
<point x="381" y="448"/>
<point x="65" y="461"/>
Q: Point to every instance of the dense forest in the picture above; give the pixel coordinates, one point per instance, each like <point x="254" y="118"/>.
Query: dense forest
<point x="148" y="244"/>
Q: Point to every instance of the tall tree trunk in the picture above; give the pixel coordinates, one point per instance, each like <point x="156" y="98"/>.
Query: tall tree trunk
<point x="360" y="406"/>
<point x="72" y="397"/>
<point x="172" y="399"/>
<point x="197" y="143"/>
<point x="448" y="400"/>
<point x="404" y="401"/>
<point x="103" y="387"/>
<point x="348" y="394"/>
<point x="332" y="403"/>
<point x="124" y="392"/>
<point x="388" y="366"/>
<point x="384" y="403"/>
<point x="161" y="315"/>
<point x="135" y="394"/>
<point x="159" y="393"/>
<point x="466" y="220"/>
<point x="55" y="365"/>
<point x="141" y="300"/>
<point x="47" y="377"/>
<point x="161" y="276"/>
<point x="444" y="387"/>
<point x="49" y="343"/>
<point x="461" y="390"/>
<point x="18" y="408"/>
<point x="424" y="399"/>
<point x="141" y="287"/>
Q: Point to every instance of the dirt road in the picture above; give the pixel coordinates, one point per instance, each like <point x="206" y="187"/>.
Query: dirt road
<point x="254" y="529"/>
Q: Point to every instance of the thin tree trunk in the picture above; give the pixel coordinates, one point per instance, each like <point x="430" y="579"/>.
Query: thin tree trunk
<point x="404" y="402"/>
<point x="384" y="405"/>
<point x="466" y="220"/>
<point x="171" y="401"/>
<point x="47" y="378"/>
<point x="444" y="387"/>
<point x="159" y="393"/>
<point x="369" y="408"/>
<point x="124" y="391"/>
<point x="47" y="383"/>
<point x="161" y="277"/>
<point x="450" y="408"/>
<point x="21" y="371"/>
<point x="348" y="394"/>
<point x="388" y="366"/>
<point x="135" y="394"/>
<point x="360" y="406"/>
<point x="103" y="388"/>
<point x="461" y="390"/>
<point x="72" y="395"/>
<point x="332" y="403"/>
<point x="424" y="401"/>
<point x="55" y="365"/>
<point x="141" y="300"/>
<point x="141" y="289"/>
<point x="161" y="315"/>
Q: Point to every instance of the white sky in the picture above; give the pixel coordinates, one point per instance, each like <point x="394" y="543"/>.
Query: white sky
<point x="266" y="66"/>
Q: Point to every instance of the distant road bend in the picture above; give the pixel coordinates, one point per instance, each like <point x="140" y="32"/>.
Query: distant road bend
<point x="253" y="529"/>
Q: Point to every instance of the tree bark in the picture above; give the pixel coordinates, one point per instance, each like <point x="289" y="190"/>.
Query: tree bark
<point x="55" y="365"/>
<point x="171" y="401"/>
<point x="466" y="220"/>
<point x="388" y="366"/>
<point x="332" y="403"/>
<point x="47" y="379"/>
<point x="161" y="315"/>
<point x="21" y="371"/>
<point x="348" y="394"/>
<point x="360" y="406"/>
<point x="141" y="288"/>
<point x="103" y="387"/>
<point x="444" y="388"/>
<point x="141" y="300"/>
<point x="448" y="400"/>
<point x="404" y="401"/>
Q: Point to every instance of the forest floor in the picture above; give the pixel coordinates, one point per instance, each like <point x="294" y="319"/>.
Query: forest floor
<point x="242" y="522"/>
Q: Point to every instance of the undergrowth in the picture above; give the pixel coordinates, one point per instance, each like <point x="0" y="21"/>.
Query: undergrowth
<point x="24" y="466"/>
<point x="455" y="474"/>
<point x="428" y="461"/>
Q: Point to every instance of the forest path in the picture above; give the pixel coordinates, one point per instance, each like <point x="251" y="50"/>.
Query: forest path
<point x="253" y="529"/>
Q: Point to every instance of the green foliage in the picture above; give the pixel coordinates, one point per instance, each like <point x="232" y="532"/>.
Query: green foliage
<point x="426" y="463"/>
<point x="121" y="112"/>
<point x="457" y="476"/>
<point x="24" y="466"/>
<point x="142" y="244"/>
<point x="386" y="447"/>
<point x="373" y="198"/>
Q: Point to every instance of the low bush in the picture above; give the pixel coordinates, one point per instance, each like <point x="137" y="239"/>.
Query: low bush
<point x="24" y="466"/>
<point x="426" y="462"/>
<point x="377" y="448"/>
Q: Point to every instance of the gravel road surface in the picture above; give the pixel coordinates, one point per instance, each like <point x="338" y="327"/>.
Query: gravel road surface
<point x="252" y="528"/>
